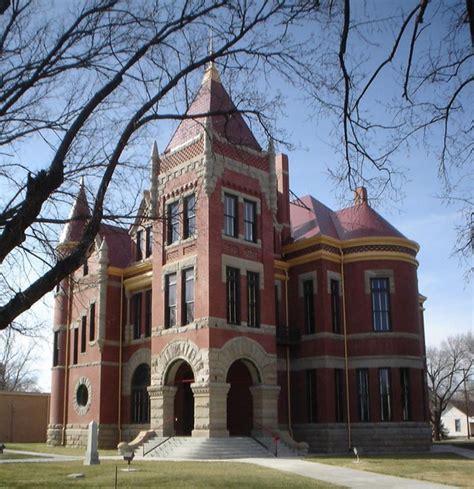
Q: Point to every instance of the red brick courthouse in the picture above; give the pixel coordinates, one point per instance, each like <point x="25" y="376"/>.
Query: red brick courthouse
<point x="242" y="312"/>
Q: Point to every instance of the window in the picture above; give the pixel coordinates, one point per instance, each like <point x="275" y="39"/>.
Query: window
<point x="140" y="399"/>
<point x="335" y="306"/>
<point x="137" y="315"/>
<point x="76" y="346"/>
<point x="363" y="394"/>
<point x="188" y="296"/>
<point x="83" y="333"/>
<point x="457" y="425"/>
<point x="170" y="300"/>
<point x="148" y="241"/>
<point x="189" y="216"/>
<point x="311" y="395"/>
<point x="339" y="392"/>
<point x="231" y="227"/>
<point x="139" y="246"/>
<point x="253" y="296"/>
<point x="380" y="292"/>
<point x="92" y="322"/>
<point x="148" y="313"/>
<point x="56" y="349"/>
<point x="250" y="221"/>
<point x="405" y="393"/>
<point x="308" y="298"/>
<point x="82" y="395"/>
<point x="173" y="222"/>
<point x="85" y="268"/>
<point x="233" y="295"/>
<point x="384" y="386"/>
<point x="277" y="306"/>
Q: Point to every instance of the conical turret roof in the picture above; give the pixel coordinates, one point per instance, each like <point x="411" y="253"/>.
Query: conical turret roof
<point x="213" y="97"/>
<point x="78" y="216"/>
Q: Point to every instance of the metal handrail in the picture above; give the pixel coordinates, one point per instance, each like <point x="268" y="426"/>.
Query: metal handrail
<point x="274" y="435"/>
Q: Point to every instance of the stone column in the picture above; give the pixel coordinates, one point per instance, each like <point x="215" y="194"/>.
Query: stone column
<point x="162" y="409"/>
<point x="265" y="408"/>
<point x="210" y="409"/>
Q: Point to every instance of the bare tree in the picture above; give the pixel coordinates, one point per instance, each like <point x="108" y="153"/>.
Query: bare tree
<point x="447" y="368"/>
<point x="17" y="371"/>
<point x="87" y="86"/>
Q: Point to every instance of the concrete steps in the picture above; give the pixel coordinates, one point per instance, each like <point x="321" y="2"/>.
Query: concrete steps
<point x="214" y="448"/>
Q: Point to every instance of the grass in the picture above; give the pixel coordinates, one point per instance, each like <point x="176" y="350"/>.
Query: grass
<point x="43" y="448"/>
<point x="440" y="468"/>
<point x="458" y="442"/>
<point x="13" y="456"/>
<point x="165" y="475"/>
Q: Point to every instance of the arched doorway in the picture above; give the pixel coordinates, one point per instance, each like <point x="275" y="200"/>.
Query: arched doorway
<point x="241" y="376"/>
<point x="140" y="408"/>
<point x="181" y="376"/>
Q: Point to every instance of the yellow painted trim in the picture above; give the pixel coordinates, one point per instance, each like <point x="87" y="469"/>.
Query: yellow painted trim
<point x="280" y="277"/>
<point x="374" y="255"/>
<point x="141" y="267"/>
<point x="382" y="240"/>
<point x="315" y="255"/>
<point x="139" y="282"/>
<point x="281" y="264"/>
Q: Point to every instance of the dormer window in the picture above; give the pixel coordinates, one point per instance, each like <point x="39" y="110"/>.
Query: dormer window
<point x="148" y="241"/>
<point x="172" y="215"/>
<point x="139" y="244"/>
<point x="189" y="216"/>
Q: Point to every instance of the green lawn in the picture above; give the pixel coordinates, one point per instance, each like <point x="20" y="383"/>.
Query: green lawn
<point x="43" y="448"/>
<point x="165" y="475"/>
<point x="458" y="442"/>
<point x="11" y="456"/>
<point x="441" y="468"/>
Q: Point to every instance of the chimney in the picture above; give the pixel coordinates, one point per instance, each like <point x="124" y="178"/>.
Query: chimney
<point x="360" y="196"/>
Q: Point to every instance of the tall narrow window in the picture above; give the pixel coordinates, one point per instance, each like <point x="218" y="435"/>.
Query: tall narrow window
<point x="311" y="407"/>
<point x="92" y="322"/>
<point x="277" y="306"/>
<point x="380" y="292"/>
<point x="140" y="399"/>
<point x="85" y="268"/>
<point x="76" y="346"/>
<point x="83" y="333"/>
<point x="308" y="298"/>
<point x="231" y="227"/>
<point x="172" y="215"/>
<point x="405" y="393"/>
<point x="189" y="216"/>
<point x="253" y="299"/>
<point x="56" y="349"/>
<point x="170" y="300"/>
<point x="137" y="316"/>
<point x="335" y="306"/>
<point x="148" y="313"/>
<point x="188" y="296"/>
<point x="148" y="241"/>
<point x="233" y="295"/>
<point x="250" y="221"/>
<point x="139" y="246"/>
<point x="363" y="394"/>
<point x="385" y="396"/>
<point x="339" y="391"/>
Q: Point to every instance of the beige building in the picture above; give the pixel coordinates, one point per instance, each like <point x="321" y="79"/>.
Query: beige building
<point x="455" y="420"/>
<point x="23" y="417"/>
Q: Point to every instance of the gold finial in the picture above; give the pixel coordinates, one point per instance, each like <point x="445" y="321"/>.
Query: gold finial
<point x="211" y="72"/>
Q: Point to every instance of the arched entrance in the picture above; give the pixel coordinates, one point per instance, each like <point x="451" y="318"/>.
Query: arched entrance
<point x="181" y="376"/>
<point x="241" y="376"/>
<point x="140" y="408"/>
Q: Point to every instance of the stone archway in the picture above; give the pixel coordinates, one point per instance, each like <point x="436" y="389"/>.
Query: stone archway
<point x="241" y="377"/>
<point x="180" y="375"/>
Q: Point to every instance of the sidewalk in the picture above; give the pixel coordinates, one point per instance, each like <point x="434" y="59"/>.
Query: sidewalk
<point x="344" y="477"/>
<point x="463" y="452"/>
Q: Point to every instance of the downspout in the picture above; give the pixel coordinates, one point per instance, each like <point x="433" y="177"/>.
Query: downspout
<point x="119" y="420"/>
<point x="346" y="361"/>
<point x="66" y="364"/>
<point x="288" y="379"/>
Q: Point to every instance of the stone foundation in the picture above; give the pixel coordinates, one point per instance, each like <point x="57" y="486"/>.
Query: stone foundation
<point x="367" y="437"/>
<point x="76" y="435"/>
<point x="130" y="431"/>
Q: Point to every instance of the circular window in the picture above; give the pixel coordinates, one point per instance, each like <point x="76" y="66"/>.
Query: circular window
<point x="82" y="395"/>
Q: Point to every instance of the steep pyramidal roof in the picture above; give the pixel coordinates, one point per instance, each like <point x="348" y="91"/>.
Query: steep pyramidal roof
<point x="78" y="216"/>
<point x="358" y="221"/>
<point x="212" y="97"/>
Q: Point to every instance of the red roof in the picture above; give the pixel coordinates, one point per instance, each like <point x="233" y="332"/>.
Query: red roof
<point x="358" y="221"/>
<point x="212" y="97"/>
<point x="119" y="244"/>
<point x="78" y="216"/>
